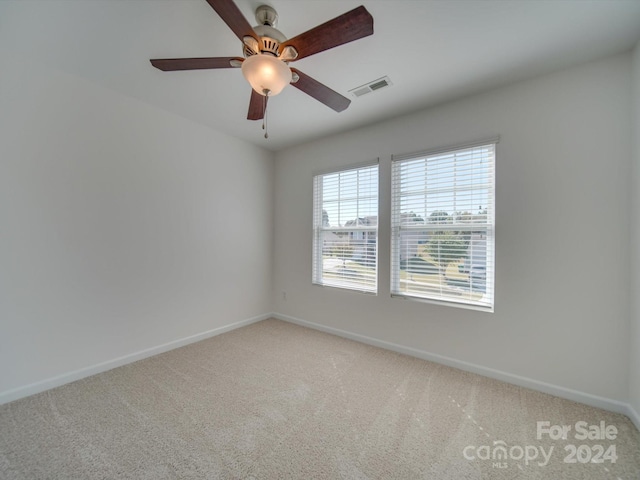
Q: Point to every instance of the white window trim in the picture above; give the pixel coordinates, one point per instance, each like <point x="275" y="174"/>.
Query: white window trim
<point x="489" y="226"/>
<point x="318" y="229"/>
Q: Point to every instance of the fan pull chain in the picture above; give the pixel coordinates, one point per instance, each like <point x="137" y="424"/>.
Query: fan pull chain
<point x="264" y="113"/>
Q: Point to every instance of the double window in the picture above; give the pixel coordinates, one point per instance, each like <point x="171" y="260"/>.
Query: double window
<point x="442" y="226"/>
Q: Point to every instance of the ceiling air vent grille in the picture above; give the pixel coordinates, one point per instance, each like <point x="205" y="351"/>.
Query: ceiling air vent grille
<point x="378" y="84"/>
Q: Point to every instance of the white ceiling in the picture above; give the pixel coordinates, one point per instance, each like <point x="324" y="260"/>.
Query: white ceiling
<point x="433" y="51"/>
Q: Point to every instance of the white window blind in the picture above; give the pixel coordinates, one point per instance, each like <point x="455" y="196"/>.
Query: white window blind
<point x="442" y="242"/>
<point x="345" y="222"/>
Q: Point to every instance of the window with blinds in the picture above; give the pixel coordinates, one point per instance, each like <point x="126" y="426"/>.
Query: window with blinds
<point x="345" y="223"/>
<point x="442" y="220"/>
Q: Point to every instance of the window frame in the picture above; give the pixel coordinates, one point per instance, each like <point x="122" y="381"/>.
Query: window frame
<point x="317" y="277"/>
<point x="488" y="227"/>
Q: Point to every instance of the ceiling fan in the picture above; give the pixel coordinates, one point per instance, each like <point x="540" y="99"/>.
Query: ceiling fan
<point x="267" y="53"/>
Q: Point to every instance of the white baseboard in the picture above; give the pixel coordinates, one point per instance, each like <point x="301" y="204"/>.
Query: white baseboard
<point x="634" y="416"/>
<point x="37" y="387"/>
<point x="562" y="392"/>
<point x="577" y="396"/>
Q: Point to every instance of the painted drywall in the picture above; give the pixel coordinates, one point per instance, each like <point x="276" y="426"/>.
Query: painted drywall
<point x="634" y="372"/>
<point x="562" y="235"/>
<point x="123" y="227"/>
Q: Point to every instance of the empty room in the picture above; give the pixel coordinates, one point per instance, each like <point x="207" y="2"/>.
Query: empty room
<point x="319" y="239"/>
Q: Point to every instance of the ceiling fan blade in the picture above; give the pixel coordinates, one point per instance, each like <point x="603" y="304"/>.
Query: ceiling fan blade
<point x="232" y="16"/>
<point x="355" y="24"/>
<point x="171" y="64"/>
<point x="256" y="106"/>
<point x="320" y="92"/>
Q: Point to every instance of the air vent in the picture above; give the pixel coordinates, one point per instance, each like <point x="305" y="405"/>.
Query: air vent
<point x="378" y="84"/>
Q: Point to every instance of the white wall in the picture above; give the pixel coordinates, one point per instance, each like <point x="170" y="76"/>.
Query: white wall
<point x="562" y="241"/>
<point x="122" y="227"/>
<point x="634" y="377"/>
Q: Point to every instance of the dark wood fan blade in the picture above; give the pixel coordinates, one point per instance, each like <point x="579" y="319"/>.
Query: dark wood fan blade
<point x="346" y="28"/>
<point x="256" y="106"/>
<point x="171" y="64"/>
<point x="320" y="92"/>
<point x="232" y="16"/>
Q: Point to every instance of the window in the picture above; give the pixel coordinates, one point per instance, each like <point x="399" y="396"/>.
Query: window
<point x="442" y="242"/>
<point x="345" y="221"/>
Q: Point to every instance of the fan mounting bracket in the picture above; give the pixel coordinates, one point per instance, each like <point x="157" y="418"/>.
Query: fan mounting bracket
<point x="266" y="15"/>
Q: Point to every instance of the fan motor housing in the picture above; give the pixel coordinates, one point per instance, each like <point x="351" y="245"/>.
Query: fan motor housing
<point x="270" y="37"/>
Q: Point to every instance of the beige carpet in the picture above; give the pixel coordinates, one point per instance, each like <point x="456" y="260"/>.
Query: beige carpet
<point x="275" y="400"/>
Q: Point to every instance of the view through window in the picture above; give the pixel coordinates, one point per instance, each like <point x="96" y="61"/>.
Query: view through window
<point x="443" y="226"/>
<point x="345" y="246"/>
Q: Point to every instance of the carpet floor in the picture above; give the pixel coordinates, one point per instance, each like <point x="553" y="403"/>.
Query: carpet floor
<point x="274" y="400"/>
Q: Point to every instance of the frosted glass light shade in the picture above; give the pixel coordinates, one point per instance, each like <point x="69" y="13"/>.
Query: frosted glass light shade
<point x="266" y="72"/>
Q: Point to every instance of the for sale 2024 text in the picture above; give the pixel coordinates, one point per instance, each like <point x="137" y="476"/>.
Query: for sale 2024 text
<point x="581" y="431"/>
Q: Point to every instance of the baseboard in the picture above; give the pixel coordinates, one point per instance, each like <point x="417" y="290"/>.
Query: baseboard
<point x="37" y="387"/>
<point x="577" y="396"/>
<point x="562" y="392"/>
<point x="634" y="416"/>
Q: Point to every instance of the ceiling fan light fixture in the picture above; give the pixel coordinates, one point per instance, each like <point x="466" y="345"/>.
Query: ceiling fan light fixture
<point x="266" y="74"/>
<point x="268" y="52"/>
